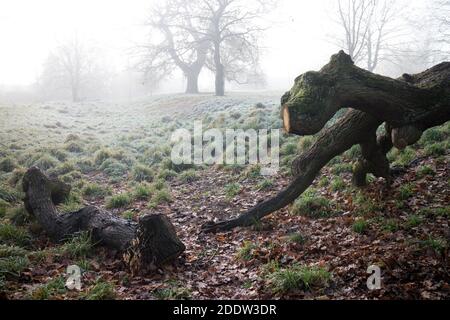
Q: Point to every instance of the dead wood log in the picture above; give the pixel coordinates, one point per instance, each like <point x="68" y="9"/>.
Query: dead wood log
<point x="408" y="106"/>
<point x="144" y="245"/>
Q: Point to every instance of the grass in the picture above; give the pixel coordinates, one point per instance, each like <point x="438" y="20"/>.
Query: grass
<point x="297" y="238"/>
<point x="143" y="191"/>
<point x="406" y="191"/>
<point x="19" y="216"/>
<point x="232" y="190"/>
<point x="360" y="226"/>
<point x="188" y="176"/>
<point x="7" y="164"/>
<point x="174" y="292"/>
<point x="94" y="191"/>
<point x="264" y="185"/>
<point x="298" y="277"/>
<point x="246" y="251"/>
<point x="414" y="221"/>
<point x="309" y="204"/>
<point x="49" y="290"/>
<point x="438" y="245"/>
<point x="390" y="225"/>
<point x="142" y="173"/>
<point x="161" y="196"/>
<point x="338" y="184"/>
<point x="102" y="290"/>
<point x="79" y="246"/>
<point x="118" y="201"/>
<point x="12" y="235"/>
<point x="13" y="266"/>
<point x="435" y="149"/>
<point x="340" y="168"/>
<point x="425" y="171"/>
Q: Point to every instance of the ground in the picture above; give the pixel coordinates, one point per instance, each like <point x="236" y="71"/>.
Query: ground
<point x="117" y="156"/>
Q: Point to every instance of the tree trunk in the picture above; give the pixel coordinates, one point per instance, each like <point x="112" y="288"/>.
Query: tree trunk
<point x="145" y="245"/>
<point x="409" y="106"/>
<point x="192" y="82"/>
<point x="220" y="73"/>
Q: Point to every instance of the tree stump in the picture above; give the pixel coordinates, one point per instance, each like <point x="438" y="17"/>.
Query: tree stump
<point x="153" y="241"/>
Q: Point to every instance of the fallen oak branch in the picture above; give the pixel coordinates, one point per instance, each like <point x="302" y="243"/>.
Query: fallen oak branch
<point x="145" y="245"/>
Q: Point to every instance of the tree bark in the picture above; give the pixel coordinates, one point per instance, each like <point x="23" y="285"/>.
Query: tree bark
<point x="192" y="82"/>
<point x="220" y="72"/>
<point x="145" y="245"/>
<point x="408" y="106"/>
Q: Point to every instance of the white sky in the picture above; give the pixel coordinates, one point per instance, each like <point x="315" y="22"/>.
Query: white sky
<point x="29" y="29"/>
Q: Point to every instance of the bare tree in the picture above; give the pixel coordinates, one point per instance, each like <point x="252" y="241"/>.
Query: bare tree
<point x="73" y="66"/>
<point x="180" y="45"/>
<point x="233" y="27"/>
<point x="369" y="26"/>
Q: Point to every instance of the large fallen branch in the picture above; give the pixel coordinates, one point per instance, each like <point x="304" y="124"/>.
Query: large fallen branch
<point x="408" y="106"/>
<point x="144" y="245"/>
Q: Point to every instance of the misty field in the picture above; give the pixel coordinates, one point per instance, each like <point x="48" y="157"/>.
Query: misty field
<point x="117" y="156"/>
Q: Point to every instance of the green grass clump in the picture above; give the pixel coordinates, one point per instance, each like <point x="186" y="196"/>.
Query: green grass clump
<point x="118" y="201"/>
<point x="360" y="226"/>
<point x="338" y="184"/>
<point x="406" y="191"/>
<point x="79" y="246"/>
<point x="289" y="149"/>
<point x="264" y="185"/>
<point x="309" y="204"/>
<point x="414" y="221"/>
<point x="232" y="190"/>
<point x="101" y="155"/>
<point x="172" y="293"/>
<point x="436" y="149"/>
<point x="73" y="147"/>
<point x="166" y="174"/>
<point x="13" y="266"/>
<point x="72" y="203"/>
<point x="143" y="191"/>
<point x="425" y="171"/>
<point x="298" y="277"/>
<point x="94" y="190"/>
<point x="19" y="216"/>
<point x="390" y="225"/>
<point x="142" y="173"/>
<point x="102" y="290"/>
<point x="161" y="196"/>
<point x="12" y="235"/>
<point x="7" y="164"/>
<point x="297" y="238"/>
<point x="431" y="136"/>
<point x="438" y="245"/>
<point x="403" y="157"/>
<point x="46" y="162"/>
<point x="114" y="168"/>
<point x="8" y="194"/>
<point x="11" y="251"/>
<point x="246" y="251"/>
<point x="188" y="176"/>
<point x="49" y="290"/>
<point x="340" y="168"/>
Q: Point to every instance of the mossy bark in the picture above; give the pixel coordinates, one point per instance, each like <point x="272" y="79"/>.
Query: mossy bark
<point x="408" y="106"/>
<point x="153" y="241"/>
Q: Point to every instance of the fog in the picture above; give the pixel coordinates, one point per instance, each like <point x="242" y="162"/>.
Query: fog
<point x="301" y="37"/>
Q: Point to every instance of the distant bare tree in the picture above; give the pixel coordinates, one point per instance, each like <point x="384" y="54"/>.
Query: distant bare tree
<point x="175" y="42"/>
<point x="234" y="28"/>
<point x="368" y="27"/>
<point x="73" y="66"/>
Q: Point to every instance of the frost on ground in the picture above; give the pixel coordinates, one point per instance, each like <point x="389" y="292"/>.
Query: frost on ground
<point x="117" y="156"/>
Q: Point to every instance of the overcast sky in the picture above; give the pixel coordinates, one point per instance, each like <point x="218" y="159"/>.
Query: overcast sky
<point x="298" y="41"/>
